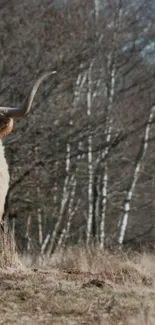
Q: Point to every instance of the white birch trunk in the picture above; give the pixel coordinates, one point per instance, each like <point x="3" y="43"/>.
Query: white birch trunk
<point x="105" y="153"/>
<point x="77" y="95"/>
<point x="80" y="82"/>
<point x="90" y="158"/>
<point x="97" y="208"/>
<point x="104" y="205"/>
<point x="61" y="239"/>
<point x="111" y="65"/>
<point x="55" y="196"/>
<point x="27" y="235"/>
<point x="65" y="197"/>
<point x="40" y="230"/>
<point x="71" y="215"/>
<point x="90" y="190"/>
<point x="130" y="191"/>
<point x="79" y="86"/>
<point x="39" y="218"/>
<point x="65" y="232"/>
<point x="45" y="243"/>
<point x="71" y="211"/>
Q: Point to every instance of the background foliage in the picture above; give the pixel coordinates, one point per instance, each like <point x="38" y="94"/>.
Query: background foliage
<point x="82" y="163"/>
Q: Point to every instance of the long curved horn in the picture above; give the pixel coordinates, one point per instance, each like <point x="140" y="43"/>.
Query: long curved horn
<point x="27" y="103"/>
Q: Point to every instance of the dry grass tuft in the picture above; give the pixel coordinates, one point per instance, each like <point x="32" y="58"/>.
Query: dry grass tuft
<point x="79" y="286"/>
<point x="8" y="254"/>
<point x="118" y="268"/>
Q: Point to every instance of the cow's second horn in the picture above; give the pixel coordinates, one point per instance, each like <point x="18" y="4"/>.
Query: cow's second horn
<point x="27" y="103"/>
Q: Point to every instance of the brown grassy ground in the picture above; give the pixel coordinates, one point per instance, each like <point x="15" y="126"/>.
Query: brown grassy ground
<point x="80" y="287"/>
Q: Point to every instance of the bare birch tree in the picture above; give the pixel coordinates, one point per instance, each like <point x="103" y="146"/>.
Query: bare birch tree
<point x="138" y="164"/>
<point x="90" y="157"/>
<point x="111" y="68"/>
<point x="103" y="77"/>
<point x="65" y="196"/>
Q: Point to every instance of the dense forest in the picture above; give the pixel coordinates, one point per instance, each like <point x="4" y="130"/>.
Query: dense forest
<point x="82" y="163"/>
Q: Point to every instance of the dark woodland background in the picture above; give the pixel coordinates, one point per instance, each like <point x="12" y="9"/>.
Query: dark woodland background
<point x="88" y="142"/>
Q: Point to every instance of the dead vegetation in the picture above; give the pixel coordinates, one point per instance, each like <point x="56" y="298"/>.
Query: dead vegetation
<point x="80" y="287"/>
<point x="8" y="254"/>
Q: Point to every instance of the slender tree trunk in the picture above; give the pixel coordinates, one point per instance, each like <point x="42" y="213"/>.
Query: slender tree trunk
<point x="27" y="235"/>
<point x="65" y="232"/>
<point x="64" y="201"/>
<point x="105" y="153"/>
<point x="55" y="196"/>
<point x="111" y="68"/>
<point x="39" y="218"/>
<point x="80" y="82"/>
<point x="133" y="182"/>
<point x="97" y="207"/>
<point x="45" y="243"/>
<point x="40" y="230"/>
<point x="90" y="158"/>
<point x="104" y="205"/>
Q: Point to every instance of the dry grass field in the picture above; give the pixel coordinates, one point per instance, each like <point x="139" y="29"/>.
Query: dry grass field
<point x="78" y="287"/>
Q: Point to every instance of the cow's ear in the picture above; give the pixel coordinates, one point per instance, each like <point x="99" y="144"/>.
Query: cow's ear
<point x="6" y="128"/>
